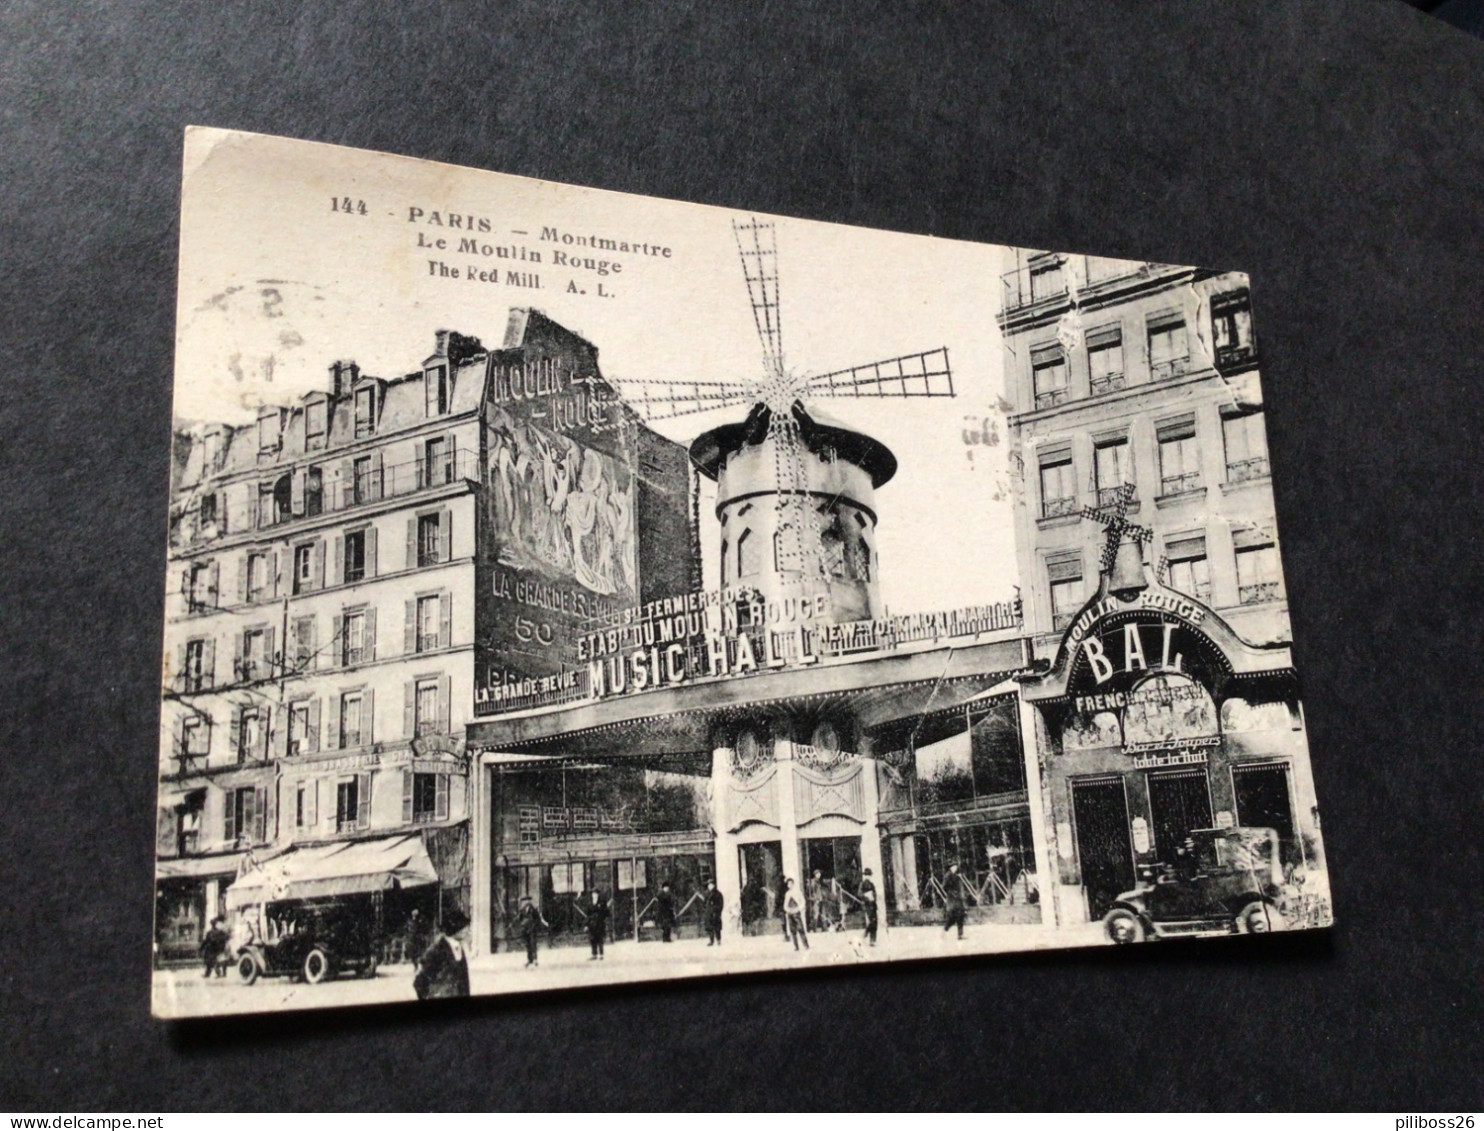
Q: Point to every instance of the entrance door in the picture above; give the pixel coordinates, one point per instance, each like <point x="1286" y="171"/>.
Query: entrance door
<point x="1104" y="853"/>
<point x="837" y="859"/>
<point x="1264" y="802"/>
<point x="761" y="867"/>
<point x="1178" y="803"/>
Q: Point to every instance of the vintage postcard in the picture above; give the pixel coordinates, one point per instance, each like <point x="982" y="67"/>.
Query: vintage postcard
<point x="568" y="587"/>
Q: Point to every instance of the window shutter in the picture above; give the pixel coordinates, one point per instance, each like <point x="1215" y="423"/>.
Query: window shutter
<point x="449" y="463"/>
<point x="311" y="803"/>
<point x="213" y="584"/>
<point x="368" y="718"/>
<point x="296" y="492"/>
<point x="249" y="824"/>
<point x="370" y="545"/>
<point x="275" y="562"/>
<point x="1069" y="569"/>
<point x="445" y="620"/>
<point x="208" y="662"/>
<point x="1250" y="537"/>
<point x="234" y="734"/>
<point x="166" y="843"/>
<point x="363" y="800"/>
<point x="1107" y="336"/>
<point x="242" y="573"/>
<point x="260" y="822"/>
<point x="278" y="740"/>
<point x="336" y="573"/>
<point x="445" y="536"/>
<point x="409" y="708"/>
<point x="1183" y="549"/>
<point x="312" y="738"/>
<point x="412" y="543"/>
<point x="346" y="478"/>
<point x="177" y="737"/>
<point x="378" y="484"/>
<point x="181" y="680"/>
<point x="407" y="797"/>
<point x="370" y="634"/>
<point x="319" y="564"/>
<point x="269" y="652"/>
<point x="440" y="803"/>
<point x="445" y="695"/>
<point x="229" y="817"/>
<point x="409" y="631"/>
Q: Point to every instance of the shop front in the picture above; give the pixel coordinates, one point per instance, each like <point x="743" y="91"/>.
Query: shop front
<point x="1156" y="720"/>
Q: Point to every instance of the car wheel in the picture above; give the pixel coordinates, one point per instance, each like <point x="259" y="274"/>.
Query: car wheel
<point x="316" y="966"/>
<point x="1258" y="918"/>
<point x="1123" y="926"/>
<point x="248" y="968"/>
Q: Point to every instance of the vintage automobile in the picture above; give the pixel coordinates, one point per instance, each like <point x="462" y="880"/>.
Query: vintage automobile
<point x="309" y="942"/>
<point x="1222" y="881"/>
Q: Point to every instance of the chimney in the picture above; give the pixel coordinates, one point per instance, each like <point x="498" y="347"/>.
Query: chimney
<point x="343" y="374"/>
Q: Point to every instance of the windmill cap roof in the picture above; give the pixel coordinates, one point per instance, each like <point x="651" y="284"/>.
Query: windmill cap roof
<point x="710" y="449"/>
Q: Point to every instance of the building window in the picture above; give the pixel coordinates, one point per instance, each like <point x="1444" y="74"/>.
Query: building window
<point x="1169" y="348"/>
<point x="1111" y="469"/>
<point x="788" y="549"/>
<point x="257" y="577"/>
<point x="355" y="556"/>
<point x="208" y="511"/>
<point x="198" y="587"/>
<point x="299" y="728"/>
<point x="437" y="390"/>
<point x="1058" y="487"/>
<point x="425" y="707"/>
<point x="425" y="798"/>
<point x="1179" y="459"/>
<point x="1231" y="328"/>
<point x="429" y="539"/>
<point x="255" y="654"/>
<point x="245" y="815"/>
<point x="306" y="808"/>
<point x="283" y="499"/>
<point x="1047" y="279"/>
<point x="1105" y="359"/>
<point x="747" y="563"/>
<point x="1189" y="571"/>
<point x="1258" y="577"/>
<point x="314" y="491"/>
<point x="265" y="504"/>
<point x="269" y="427"/>
<point x="303" y="568"/>
<point x="316" y="417"/>
<point x="365" y="483"/>
<point x="354" y="639"/>
<point x="193" y="678"/>
<point x="1065" y="577"/>
<point x="349" y="805"/>
<point x="1246" y="447"/>
<point x="252" y="734"/>
<point x="428" y="636"/>
<point x="352" y="704"/>
<point x="437" y="468"/>
<point x="365" y="411"/>
<point x="1049" y="376"/>
<point x="188" y="831"/>
<point x="304" y="644"/>
<point x="195" y="737"/>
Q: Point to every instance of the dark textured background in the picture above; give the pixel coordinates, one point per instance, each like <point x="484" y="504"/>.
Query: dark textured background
<point x="1335" y="151"/>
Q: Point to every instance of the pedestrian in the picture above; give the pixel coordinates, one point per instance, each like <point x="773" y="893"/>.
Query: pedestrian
<point x="214" y="950"/>
<point x="530" y="921"/>
<point x="597" y="923"/>
<point x="665" y="911"/>
<point x="712" y="906"/>
<point x="868" y="904"/>
<point x="953" y="893"/>
<point x="793" y="915"/>
<point x="443" y="969"/>
<point x="815" y="890"/>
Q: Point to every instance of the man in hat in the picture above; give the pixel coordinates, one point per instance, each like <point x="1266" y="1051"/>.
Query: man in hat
<point x="443" y="969"/>
<point x="712" y="906"/>
<point x="664" y="911"/>
<point x="530" y="921"/>
<point x="596" y="909"/>
<point x="868" y="904"/>
<point x="214" y="949"/>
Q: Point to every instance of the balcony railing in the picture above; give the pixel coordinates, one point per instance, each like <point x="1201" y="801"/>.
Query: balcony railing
<point x="1246" y="470"/>
<point x="1109" y="384"/>
<point x="1056" y="508"/>
<point x="1164" y="370"/>
<point x="1180" y="484"/>
<point x="1108" y="496"/>
<point x="1232" y="356"/>
<point x="1052" y="397"/>
<point x="1258" y="593"/>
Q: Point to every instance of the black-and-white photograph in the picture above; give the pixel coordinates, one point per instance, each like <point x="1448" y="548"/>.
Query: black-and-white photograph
<point x="569" y="588"/>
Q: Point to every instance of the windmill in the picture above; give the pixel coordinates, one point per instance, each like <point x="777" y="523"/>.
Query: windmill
<point x="1117" y="529"/>
<point x="777" y="419"/>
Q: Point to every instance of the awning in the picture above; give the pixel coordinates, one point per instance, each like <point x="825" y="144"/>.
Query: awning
<point x="197" y="867"/>
<point x="336" y="869"/>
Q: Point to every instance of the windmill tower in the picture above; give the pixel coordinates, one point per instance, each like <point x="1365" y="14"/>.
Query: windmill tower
<point x="795" y="491"/>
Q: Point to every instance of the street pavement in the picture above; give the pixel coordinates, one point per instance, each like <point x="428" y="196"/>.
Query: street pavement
<point x="185" y="993"/>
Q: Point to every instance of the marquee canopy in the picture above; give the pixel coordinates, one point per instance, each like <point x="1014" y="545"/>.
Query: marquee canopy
<point x="336" y="869"/>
